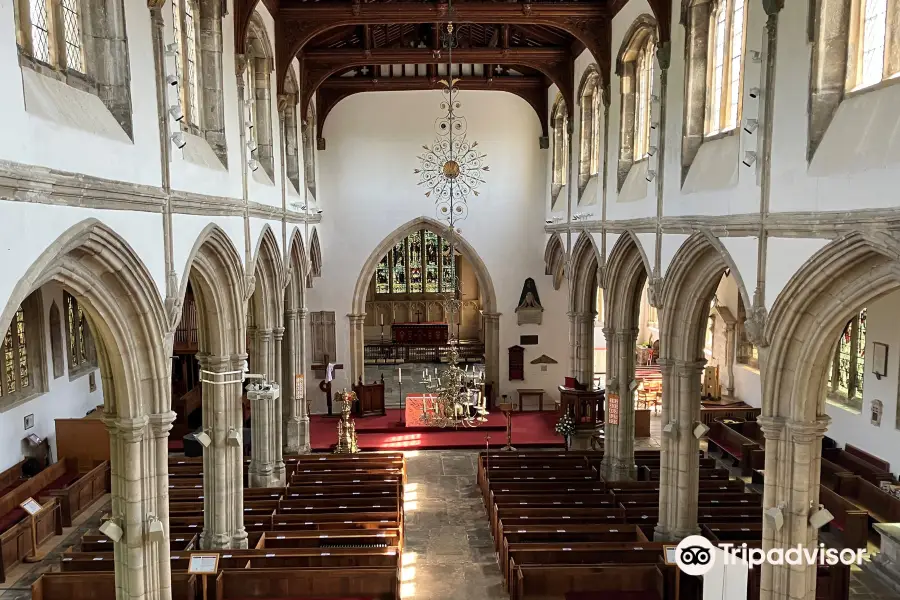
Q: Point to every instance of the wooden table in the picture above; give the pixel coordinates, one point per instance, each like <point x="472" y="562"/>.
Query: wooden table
<point x="523" y="393"/>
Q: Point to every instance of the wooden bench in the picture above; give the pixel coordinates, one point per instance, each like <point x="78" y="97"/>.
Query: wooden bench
<point x="833" y="475"/>
<point x="382" y="583"/>
<point x="100" y="586"/>
<point x="15" y="540"/>
<point x="849" y="520"/>
<point x="853" y="462"/>
<point x="746" y="453"/>
<point x="880" y="505"/>
<point x="635" y="582"/>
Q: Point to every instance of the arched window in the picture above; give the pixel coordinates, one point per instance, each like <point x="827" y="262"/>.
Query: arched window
<point x="309" y="150"/>
<point x="80" y="343"/>
<point x="846" y="374"/>
<point x="258" y="95"/>
<point x="22" y="360"/>
<point x="590" y="136"/>
<point x="725" y="65"/>
<point x="421" y="263"/>
<point x="287" y="108"/>
<point x="559" y="121"/>
<point x="185" y="19"/>
<point x="873" y="44"/>
<point x="635" y="68"/>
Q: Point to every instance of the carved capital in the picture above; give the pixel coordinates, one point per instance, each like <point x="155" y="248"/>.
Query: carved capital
<point x="356" y="320"/>
<point x="214" y="364"/>
<point x="278" y="333"/>
<point x="654" y="291"/>
<point x="755" y="325"/>
<point x="665" y="366"/>
<point x="161" y="424"/>
<point x="689" y="368"/>
<point x="130" y="431"/>
<point x="249" y="286"/>
<point x="807" y="432"/>
<point x="772" y="427"/>
<point x="240" y="65"/>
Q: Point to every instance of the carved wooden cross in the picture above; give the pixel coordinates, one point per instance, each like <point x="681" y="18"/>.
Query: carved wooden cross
<point x="325" y="386"/>
<point x="418" y="315"/>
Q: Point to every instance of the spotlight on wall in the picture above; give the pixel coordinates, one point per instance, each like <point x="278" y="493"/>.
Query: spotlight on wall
<point x="777" y="516"/>
<point x="652" y="150"/>
<point x="155" y="531"/>
<point x="176" y="113"/>
<point x="549" y="221"/>
<point x="820" y="518"/>
<point x="171" y="49"/>
<point x="203" y="439"/>
<point x="756" y="56"/>
<point x="252" y="145"/>
<point x="319" y="212"/>
<point x="249" y="124"/>
<point x="171" y="79"/>
<point x="651" y="175"/>
<point x="110" y="529"/>
<point x="751" y="126"/>
<point x="253" y="164"/>
<point x="700" y="430"/>
<point x="233" y="438"/>
<point x="178" y="139"/>
<point x="749" y="158"/>
<point x="754" y="92"/>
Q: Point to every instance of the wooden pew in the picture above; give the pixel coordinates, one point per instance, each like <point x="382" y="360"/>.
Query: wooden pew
<point x="833" y="476"/>
<point x="557" y="582"/>
<point x="375" y="538"/>
<point x="849" y="520"/>
<point x="881" y="506"/>
<point x="99" y="586"/>
<point x="382" y="583"/>
<point x="853" y="462"/>
<point x="16" y="542"/>
<point x="746" y="453"/>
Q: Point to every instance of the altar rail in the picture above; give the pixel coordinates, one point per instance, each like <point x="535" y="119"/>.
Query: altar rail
<point x="410" y="353"/>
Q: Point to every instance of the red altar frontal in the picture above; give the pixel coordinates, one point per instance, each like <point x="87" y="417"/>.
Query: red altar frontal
<point x="419" y="333"/>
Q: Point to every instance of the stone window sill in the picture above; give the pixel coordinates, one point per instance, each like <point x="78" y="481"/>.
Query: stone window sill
<point x="80" y="371"/>
<point x="13" y="401"/>
<point x="77" y="80"/>
<point x="840" y="401"/>
<point x="884" y="83"/>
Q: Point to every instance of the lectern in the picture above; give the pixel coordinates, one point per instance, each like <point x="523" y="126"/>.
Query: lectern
<point x="586" y="407"/>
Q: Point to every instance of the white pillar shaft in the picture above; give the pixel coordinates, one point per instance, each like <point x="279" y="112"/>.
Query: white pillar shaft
<point x="277" y="409"/>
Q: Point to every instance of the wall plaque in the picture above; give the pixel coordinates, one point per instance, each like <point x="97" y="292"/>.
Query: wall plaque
<point x="528" y="340"/>
<point x="612" y="409"/>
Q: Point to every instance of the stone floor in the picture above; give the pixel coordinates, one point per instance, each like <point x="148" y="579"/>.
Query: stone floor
<point x="449" y="554"/>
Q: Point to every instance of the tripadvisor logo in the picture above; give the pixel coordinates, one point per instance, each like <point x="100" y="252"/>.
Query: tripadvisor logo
<point x="696" y="555"/>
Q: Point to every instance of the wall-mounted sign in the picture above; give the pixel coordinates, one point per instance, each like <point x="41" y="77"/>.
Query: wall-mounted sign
<point x="298" y="386"/>
<point x="612" y="409"/>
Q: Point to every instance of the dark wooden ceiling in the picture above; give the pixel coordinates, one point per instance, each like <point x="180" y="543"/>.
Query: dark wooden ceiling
<point x="521" y="47"/>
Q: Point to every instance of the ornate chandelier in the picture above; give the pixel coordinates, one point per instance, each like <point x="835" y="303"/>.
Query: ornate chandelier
<point x="451" y="170"/>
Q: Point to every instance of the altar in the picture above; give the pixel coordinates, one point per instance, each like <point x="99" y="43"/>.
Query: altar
<point x="420" y="333"/>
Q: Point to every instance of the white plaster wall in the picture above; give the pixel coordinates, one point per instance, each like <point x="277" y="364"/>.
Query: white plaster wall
<point x="882" y="325"/>
<point x="63" y="399"/>
<point x="373" y="142"/>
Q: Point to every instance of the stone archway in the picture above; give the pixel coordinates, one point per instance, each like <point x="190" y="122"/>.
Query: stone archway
<point x="687" y="290"/>
<point x="627" y="269"/>
<point x="265" y="333"/>
<point x="216" y="274"/>
<point x="805" y="320"/>
<point x="132" y="334"/>
<point x="555" y="260"/>
<point x="294" y="413"/>
<point x="485" y="287"/>
<point x="583" y="284"/>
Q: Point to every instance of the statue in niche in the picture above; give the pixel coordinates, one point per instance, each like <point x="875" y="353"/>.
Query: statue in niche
<point x="529" y="311"/>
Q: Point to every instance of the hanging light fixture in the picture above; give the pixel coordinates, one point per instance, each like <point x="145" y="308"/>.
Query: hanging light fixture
<point x="451" y="170"/>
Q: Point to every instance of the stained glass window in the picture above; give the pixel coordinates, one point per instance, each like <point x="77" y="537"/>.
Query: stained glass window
<point x="432" y="249"/>
<point x="415" y="261"/>
<point x="398" y="260"/>
<point x="186" y="58"/>
<point x="15" y="367"/>
<point x="40" y="30"/>
<point x="848" y="364"/>
<point x="78" y="335"/>
<point x="644" y="90"/>
<point x="448" y="268"/>
<point x="383" y="277"/>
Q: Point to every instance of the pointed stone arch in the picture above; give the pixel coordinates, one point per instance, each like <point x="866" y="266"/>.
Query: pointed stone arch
<point x="806" y="318"/>
<point x="220" y="289"/>
<point x="555" y="260"/>
<point x="687" y="291"/>
<point x="294" y="415"/>
<point x="315" y="258"/>
<point x="584" y="283"/>
<point x="488" y="297"/>
<point x="627" y="269"/>
<point x="115" y="289"/>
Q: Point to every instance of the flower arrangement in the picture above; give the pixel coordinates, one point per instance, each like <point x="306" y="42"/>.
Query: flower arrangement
<point x="566" y="426"/>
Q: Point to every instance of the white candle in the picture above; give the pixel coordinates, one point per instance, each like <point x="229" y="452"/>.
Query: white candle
<point x="399" y="375"/>
<point x="382" y="320"/>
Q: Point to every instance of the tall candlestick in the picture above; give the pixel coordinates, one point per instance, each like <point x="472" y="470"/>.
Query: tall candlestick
<point x="399" y="375"/>
<point x="382" y="320"/>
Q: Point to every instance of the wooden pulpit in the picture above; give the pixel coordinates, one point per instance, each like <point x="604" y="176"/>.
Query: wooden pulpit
<point x="586" y="407"/>
<point x="370" y="398"/>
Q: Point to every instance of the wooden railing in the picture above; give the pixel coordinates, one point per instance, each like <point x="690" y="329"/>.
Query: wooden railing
<point x="410" y="353"/>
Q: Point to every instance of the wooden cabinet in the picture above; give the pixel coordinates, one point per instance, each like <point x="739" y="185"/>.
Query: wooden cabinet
<point x="370" y="398"/>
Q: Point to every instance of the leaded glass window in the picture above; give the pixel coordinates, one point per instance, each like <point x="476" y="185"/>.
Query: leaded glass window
<point x="40" y="30"/>
<point x="726" y="66"/>
<point x="420" y="263"/>
<point x="642" y="101"/>
<point x="72" y="34"/>
<point x="78" y="336"/>
<point x="186" y="67"/>
<point x="845" y="380"/>
<point x="16" y="367"/>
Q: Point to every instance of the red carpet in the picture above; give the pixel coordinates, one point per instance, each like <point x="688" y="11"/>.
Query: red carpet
<point x="530" y="429"/>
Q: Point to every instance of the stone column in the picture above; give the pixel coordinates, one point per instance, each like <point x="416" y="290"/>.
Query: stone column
<point x="686" y="474"/>
<point x="262" y="461"/>
<point x="303" y="358"/>
<point x="730" y="340"/>
<point x="585" y="366"/>
<point x="621" y="463"/>
<point x="277" y="410"/>
<point x="139" y="485"/>
<point x="492" y="351"/>
<point x="223" y="461"/>
<point x="611" y="432"/>
<point x="357" y="348"/>
<point x="667" y="449"/>
<point x="291" y="404"/>
<point x="573" y="344"/>
<point x="793" y="463"/>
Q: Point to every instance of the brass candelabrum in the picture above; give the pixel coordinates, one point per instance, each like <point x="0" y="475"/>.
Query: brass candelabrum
<point x="346" y="428"/>
<point x="455" y="397"/>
